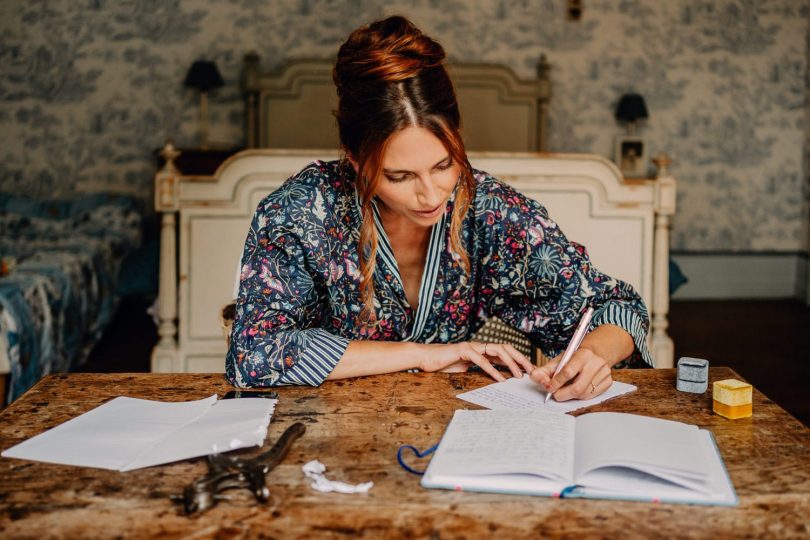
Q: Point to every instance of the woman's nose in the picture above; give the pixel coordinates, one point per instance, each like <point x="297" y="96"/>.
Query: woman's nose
<point x="428" y="194"/>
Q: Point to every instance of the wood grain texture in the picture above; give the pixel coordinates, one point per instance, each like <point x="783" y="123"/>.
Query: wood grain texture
<point x="355" y="428"/>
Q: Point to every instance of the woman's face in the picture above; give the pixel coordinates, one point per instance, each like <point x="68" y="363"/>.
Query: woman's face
<point x="418" y="177"/>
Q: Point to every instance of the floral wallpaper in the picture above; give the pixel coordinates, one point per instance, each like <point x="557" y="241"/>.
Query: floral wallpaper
<point x="90" y="88"/>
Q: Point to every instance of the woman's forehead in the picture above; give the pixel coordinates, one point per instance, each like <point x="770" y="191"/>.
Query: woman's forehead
<point x="413" y="148"/>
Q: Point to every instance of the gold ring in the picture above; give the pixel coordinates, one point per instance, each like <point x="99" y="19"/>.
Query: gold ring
<point x="593" y="388"/>
<point x="485" y="348"/>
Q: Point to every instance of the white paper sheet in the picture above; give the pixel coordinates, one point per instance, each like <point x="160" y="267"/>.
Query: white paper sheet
<point x="127" y="433"/>
<point x="524" y="394"/>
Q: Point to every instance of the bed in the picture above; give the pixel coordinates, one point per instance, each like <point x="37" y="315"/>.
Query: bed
<point x="204" y="219"/>
<point x="60" y="262"/>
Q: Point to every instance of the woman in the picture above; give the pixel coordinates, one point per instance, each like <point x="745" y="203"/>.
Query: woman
<point x="391" y="258"/>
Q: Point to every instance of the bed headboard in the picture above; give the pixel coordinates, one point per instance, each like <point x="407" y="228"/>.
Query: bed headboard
<point x="624" y="224"/>
<point x="292" y="107"/>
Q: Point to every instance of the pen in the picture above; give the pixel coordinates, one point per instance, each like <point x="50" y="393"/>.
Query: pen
<point x="573" y="345"/>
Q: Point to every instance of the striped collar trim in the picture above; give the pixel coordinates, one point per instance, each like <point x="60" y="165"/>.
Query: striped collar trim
<point x="430" y="273"/>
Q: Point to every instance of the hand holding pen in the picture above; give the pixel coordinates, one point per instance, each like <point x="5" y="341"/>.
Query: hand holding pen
<point x="573" y="345"/>
<point x="588" y="368"/>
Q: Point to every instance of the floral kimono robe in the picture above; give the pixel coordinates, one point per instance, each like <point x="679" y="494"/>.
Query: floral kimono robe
<point x="299" y="297"/>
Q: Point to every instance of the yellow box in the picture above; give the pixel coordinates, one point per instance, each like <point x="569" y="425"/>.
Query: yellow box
<point x="732" y="398"/>
<point x="732" y="412"/>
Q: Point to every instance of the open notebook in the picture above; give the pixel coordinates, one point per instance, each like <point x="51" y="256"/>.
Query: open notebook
<point x="597" y="455"/>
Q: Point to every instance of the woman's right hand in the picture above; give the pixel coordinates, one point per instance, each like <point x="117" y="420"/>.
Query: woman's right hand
<point x="458" y="357"/>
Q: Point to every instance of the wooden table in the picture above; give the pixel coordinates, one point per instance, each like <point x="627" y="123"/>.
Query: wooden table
<point x="355" y="428"/>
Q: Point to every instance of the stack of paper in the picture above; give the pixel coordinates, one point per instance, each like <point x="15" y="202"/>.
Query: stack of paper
<point x="128" y="433"/>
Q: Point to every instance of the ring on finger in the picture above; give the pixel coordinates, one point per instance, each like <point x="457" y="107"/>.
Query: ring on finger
<point x="593" y="388"/>
<point x="485" y="347"/>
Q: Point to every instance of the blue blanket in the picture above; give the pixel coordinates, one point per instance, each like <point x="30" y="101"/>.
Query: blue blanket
<point x="60" y="263"/>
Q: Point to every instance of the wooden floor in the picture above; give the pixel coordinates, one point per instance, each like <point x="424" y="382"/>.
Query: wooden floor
<point x="767" y="342"/>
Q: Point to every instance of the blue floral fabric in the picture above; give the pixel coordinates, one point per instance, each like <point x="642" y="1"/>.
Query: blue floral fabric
<point x="299" y="298"/>
<point x="61" y="260"/>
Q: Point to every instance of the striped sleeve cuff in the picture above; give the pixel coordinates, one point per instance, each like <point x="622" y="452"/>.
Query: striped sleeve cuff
<point x="630" y="321"/>
<point x="317" y="357"/>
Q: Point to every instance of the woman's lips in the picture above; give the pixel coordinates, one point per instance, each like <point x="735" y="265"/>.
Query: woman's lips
<point x="430" y="213"/>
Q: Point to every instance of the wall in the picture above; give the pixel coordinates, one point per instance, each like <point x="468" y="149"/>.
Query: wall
<point x="803" y="281"/>
<point x="91" y="88"/>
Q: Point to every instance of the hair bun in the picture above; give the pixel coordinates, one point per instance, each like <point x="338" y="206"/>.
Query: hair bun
<point x="390" y="50"/>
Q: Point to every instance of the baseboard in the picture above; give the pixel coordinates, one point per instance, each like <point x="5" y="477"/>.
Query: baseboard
<point x="726" y="276"/>
<point x="803" y="278"/>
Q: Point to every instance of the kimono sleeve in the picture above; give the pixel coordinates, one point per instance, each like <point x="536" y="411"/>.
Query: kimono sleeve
<point x="541" y="283"/>
<point x="275" y="340"/>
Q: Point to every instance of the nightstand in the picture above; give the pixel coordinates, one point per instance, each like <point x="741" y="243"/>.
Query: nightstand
<point x="199" y="162"/>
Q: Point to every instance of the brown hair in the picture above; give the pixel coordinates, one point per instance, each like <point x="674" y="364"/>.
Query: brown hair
<point x="390" y="76"/>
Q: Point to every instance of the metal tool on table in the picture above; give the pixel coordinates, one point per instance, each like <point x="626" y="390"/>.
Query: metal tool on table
<point x="231" y="472"/>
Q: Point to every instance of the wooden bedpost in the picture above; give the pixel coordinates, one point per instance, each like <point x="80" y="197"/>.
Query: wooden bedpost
<point x="663" y="349"/>
<point x="164" y="355"/>
<point x="544" y="86"/>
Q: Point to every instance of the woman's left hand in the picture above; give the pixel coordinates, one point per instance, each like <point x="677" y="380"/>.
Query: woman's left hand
<point x="459" y="357"/>
<point x="585" y="376"/>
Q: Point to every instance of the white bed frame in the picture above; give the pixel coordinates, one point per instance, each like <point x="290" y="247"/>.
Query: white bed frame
<point x="625" y="227"/>
<point x="624" y="224"/>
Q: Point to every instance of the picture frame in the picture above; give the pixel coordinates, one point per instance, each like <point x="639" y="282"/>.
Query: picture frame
<point x="630" y="155"/>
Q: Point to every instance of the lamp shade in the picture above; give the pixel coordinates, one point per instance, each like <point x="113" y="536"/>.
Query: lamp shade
<point x="631" y="108"/>
<point x="203" y="75"/>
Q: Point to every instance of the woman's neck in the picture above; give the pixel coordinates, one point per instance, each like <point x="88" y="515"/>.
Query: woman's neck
<point x="409" y="243"/>
<point x="403" y="231"/>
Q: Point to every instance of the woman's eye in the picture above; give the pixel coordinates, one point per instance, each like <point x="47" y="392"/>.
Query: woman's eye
<point x="446" y="165"/>
<point x="393" y="178"/>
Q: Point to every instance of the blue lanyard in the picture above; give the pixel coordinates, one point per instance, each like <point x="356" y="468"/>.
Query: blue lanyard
<point x="418" y="454"/>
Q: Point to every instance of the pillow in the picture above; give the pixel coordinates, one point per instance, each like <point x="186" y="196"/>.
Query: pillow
<point x="676" y="277"/>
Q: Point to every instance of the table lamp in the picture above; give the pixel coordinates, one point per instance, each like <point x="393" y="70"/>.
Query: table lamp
<point x="204" y="76"/>
<point x="631" y="151"/>
<point x="631" y="108"/>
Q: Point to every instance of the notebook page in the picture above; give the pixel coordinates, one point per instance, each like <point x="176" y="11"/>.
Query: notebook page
<point x="665" y="448"/>
<point x="486" y="442"/>
<point x="718" y="488"/>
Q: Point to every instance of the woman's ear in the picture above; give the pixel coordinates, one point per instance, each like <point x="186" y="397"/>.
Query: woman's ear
<point x="355" y="166"/>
